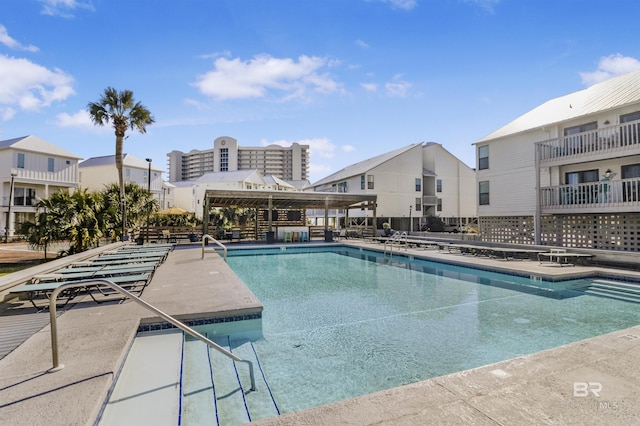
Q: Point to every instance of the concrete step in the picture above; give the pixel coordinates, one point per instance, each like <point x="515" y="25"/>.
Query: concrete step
<point x="261" y="402"/>
<point x="199" y="404"/>
<point x="148" y="388"/>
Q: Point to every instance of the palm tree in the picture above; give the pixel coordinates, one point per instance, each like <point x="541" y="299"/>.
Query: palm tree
<point x="120" y="109"/>
<point x="140" y="202"/>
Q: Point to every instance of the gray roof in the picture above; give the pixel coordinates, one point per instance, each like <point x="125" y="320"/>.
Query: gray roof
<point x="128" y="160"/>
<point x="35" y="144"/>
<point x="364" y="166"/>
<point x="613" y="93"/>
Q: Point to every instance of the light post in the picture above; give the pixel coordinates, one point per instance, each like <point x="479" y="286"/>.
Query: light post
<point x="148" y="160"/>
<point x="410" y="221"/>
<point x="6" y="229"/>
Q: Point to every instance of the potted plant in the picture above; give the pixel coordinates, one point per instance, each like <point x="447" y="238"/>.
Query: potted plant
<point x="386" y="229"/>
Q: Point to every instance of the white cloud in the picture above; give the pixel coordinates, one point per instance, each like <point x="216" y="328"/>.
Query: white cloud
<point x="31" y="86"/>
<point x="11" y="43"/>
<point x="398" y="87"/>
<point x="488" y="5"/>
<point x="78" y="119"/>
<point x="7" y="113"/>
<point x="195" y="103"/>
<point x="63" y="8"/>
<point x="258" y="77"/>
<point x="362" y="44"/>
<point x="348" y="148"/>
<point x="610" y="66"/>
<point x="402" y="4"/>
<point x="369" y="87"/>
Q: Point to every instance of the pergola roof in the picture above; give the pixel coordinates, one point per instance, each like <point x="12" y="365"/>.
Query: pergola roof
<point x="248" y="198"/>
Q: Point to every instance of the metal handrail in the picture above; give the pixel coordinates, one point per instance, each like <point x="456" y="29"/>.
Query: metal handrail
<point x="215" y="241"/>
<point x="395" y="238"/>
<point x="83" y="283"/>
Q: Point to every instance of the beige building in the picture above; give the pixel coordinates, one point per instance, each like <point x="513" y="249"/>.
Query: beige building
<point x="566" y="173"/>
<point x="411" y="183"/>
<point x="31" y="169"/>
<point x="96" y="172"/>
<point x="288" y="163"/>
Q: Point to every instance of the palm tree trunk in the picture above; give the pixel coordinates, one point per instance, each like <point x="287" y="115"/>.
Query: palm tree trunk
<point x="119" y="166"/>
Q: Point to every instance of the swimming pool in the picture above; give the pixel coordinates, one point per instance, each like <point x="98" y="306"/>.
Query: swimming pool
<point x="342" y="322"/>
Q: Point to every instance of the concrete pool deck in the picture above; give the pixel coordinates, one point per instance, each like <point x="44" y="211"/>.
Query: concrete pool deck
<point x="556" y="386"/>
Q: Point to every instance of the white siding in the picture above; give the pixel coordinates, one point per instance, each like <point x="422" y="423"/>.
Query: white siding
<point x="511" y="175"/>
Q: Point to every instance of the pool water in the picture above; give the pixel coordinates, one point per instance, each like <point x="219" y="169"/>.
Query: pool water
<point x="347" y="322"/>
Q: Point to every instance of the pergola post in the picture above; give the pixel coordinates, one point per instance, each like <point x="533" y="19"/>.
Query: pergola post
<point x="205" y="215"/>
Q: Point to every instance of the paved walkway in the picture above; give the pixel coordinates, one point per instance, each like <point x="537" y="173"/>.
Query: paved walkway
<point x="595" y="381"/>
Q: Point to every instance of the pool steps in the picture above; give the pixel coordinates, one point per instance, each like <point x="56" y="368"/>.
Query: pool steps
<point x="215" y="390"/>
<point x="612" y="289"/>
<point x="148" y="387"/>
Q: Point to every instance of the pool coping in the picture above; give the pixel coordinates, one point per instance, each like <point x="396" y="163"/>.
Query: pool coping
<point x="537" y="388"/>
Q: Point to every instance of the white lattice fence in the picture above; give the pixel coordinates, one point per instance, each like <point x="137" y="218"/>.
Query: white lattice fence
<point x="605" y="231"/>
<point x="507" y="229"/>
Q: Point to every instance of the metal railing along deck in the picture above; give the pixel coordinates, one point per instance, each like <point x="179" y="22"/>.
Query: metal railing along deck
<point x="185" y="328"/>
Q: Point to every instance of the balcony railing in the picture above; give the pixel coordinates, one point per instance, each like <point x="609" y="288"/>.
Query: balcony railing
<point x="592" y="195"/>
<point x="607" y="139"/>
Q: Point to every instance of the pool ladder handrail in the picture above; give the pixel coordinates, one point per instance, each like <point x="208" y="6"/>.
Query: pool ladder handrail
<point x="215" y="241"/>
<point x="185" y="328"/>
<point x="395" y="238"/>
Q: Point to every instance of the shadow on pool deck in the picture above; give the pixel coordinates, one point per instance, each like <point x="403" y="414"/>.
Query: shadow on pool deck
<point x="556" y="386"/>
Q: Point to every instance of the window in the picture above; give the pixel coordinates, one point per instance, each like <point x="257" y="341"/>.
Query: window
<point x="362" y="182"/>
<point x="418" y="184"/>
<point x="581" y="128"/>
<point x="24" y="196"/>
<point x="630" y="188"/>
<point x="224" y="159"/>
<point x="20" y="160"/>
<point x="625" y="118"/>
<point x="483" y="192"/>
<point x="582" y="194"/>
<point x="483" y="157"/>
<point x="342" y="187"/>
<point x="630" y="133"/>
<point x="418" y="204"/>
<point x="438" y="185"/>
<point x="439" y="205"/>
<point x="50" y="165"/>
<point x="573" y="178"/>
<point x="369" y="181"/>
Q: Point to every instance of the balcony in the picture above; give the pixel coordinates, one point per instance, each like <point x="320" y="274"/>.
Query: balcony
<point x="594" y="197"/>
<point x="617" y="140"/>
<point x="429" y="200"/>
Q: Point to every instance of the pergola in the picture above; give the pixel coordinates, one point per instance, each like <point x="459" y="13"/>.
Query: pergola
<point x="269" y="200"/>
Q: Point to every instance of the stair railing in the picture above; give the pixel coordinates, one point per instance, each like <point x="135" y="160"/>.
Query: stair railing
<point x="216" y="242"/>
<point x="397" y="237"/>
<point x="101" y="281"/>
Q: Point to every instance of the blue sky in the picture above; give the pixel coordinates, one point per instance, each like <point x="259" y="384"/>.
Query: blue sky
<point x="351" y="78"/>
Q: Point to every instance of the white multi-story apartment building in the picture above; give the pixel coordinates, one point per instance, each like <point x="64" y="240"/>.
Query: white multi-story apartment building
<point x="566" y="173"/>
<point x="288" y="163"/>
<point x="411" y="183"/>
<point x="34" y="169"/>
<point x="96" y="172"/>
